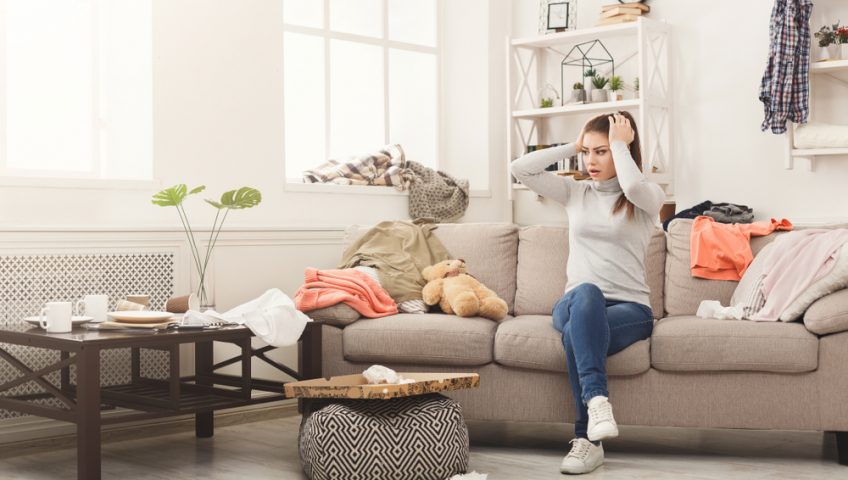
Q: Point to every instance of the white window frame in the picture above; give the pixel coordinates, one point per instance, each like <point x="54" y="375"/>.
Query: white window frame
<point x="296" y="184"/>
<point x="93" y="178"/>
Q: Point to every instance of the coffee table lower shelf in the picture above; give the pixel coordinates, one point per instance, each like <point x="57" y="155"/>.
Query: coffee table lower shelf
<point x="154" y="399"/>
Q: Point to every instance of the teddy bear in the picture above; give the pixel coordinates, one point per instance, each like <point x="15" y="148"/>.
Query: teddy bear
<point x="456" y="292"/>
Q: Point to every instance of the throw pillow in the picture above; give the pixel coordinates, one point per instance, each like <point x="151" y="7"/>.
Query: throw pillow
<point x="828" y="314"/>
<point x="338" y="315"/>
<point x="835" y="279"/>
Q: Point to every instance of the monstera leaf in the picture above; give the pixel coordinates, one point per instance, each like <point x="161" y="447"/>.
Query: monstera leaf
<point x="174" y="196"/>
<point x="244" y="197"/>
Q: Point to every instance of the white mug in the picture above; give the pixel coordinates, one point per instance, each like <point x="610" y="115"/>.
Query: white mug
<point x="94" y="306"/>
<point x="56" y="317"/>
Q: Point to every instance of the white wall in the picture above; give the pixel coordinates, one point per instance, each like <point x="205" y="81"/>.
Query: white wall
<point x="218" y="118"/>
<point x="720" y="49"/>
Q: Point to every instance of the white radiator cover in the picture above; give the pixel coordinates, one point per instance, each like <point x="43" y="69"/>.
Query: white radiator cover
<point x="27" y="282"/>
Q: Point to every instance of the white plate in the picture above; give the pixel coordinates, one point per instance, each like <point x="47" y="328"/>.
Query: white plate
<point x="75" y="320"/>
<point x="140" y="316"/>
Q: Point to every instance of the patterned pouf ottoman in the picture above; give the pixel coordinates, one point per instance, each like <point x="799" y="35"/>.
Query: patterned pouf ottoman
<point x="421" y="437"/>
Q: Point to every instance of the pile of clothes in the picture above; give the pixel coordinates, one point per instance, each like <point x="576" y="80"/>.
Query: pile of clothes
<point x="379" y="274"/>
<point x="787" y="276"/>
<point x="720" y="212"/>
<point x="432" y="194"/>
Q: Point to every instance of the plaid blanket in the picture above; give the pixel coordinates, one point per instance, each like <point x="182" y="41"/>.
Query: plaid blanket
<point x="785" y="87"/>
<point x="386" y="167"/>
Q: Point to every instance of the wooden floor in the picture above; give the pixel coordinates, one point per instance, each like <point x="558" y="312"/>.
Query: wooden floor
<point x="268" y="450"/>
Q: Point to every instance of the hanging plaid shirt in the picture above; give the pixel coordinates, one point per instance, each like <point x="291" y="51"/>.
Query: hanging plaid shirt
<point x="387" y="167"/>
<point x="785" y="89"/>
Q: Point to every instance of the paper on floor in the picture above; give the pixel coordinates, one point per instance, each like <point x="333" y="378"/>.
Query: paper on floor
<point x="470" y="476"/>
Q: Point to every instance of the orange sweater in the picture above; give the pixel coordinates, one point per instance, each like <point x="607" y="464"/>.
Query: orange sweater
<point x="324" y="288"/>
<point x="722" y="251"/>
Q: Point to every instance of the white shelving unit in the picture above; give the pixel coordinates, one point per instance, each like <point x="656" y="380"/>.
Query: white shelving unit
<point x="652" y="109"/>
<point x="836" y="70"/>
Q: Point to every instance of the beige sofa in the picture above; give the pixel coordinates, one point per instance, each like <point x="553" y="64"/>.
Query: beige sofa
<point x="692" y="372"/>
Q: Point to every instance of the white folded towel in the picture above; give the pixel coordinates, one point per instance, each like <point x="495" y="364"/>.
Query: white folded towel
<point x="821" y="135"/>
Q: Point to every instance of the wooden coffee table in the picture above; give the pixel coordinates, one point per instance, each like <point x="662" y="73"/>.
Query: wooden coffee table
<point x="145" y="398"/>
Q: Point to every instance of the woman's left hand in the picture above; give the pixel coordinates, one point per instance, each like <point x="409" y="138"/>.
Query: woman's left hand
<point x="620" y="129"/>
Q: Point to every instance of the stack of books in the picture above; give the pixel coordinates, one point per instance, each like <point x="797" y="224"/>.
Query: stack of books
<point x="622" y="12"/>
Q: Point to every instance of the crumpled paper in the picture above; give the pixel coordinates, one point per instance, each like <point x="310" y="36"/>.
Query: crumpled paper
<point x="378" y="374"/>
<point x="713" y="309"/>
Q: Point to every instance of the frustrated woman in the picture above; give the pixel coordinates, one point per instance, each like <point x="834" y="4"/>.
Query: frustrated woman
<point x="605" y="306"/>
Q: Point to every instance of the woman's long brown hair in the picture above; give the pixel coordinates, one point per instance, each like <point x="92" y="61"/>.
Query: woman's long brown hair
<point x="601" y="124"/>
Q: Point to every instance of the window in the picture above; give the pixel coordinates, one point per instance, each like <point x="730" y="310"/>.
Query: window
<point x="76" y="88"/>
<point x="359" y="74"/>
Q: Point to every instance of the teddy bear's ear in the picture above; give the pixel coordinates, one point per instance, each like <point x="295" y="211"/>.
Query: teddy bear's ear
<point x="426" y="273"/>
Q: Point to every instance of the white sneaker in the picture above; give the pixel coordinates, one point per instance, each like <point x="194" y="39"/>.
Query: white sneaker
<point x="601" y="423"/>
<point x="584" y="457"/>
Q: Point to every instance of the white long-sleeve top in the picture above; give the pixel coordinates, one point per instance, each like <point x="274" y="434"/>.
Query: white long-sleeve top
<point x="604" y="249"/>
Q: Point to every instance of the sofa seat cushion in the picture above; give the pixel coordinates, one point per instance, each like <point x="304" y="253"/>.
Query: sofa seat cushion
<point x="531" y="341"/>
<point x="420" y="339"/>
<point x="689" y="343"/>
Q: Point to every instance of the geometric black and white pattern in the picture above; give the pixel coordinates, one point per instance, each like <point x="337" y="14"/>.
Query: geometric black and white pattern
<point x="27" y="282"/>
<point x="421" y="437"/>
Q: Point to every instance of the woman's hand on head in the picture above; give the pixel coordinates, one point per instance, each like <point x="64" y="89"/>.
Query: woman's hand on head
<point x="620" y="129"/>
<point x="579" y="143"/>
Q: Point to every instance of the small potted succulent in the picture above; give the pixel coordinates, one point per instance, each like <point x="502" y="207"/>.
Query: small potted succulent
<point x="578" y="95"/>
<point x="598" y="93"/>
<point x="616" y="85"/>
<point x="828" y="42"/>
<point x="547" y="96"/>
<point x="589" y="73"/>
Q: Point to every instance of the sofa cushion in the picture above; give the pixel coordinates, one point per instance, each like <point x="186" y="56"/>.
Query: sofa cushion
<point x="421" y="339"/>
<point x="542" y="259"/>
<point x="531" y="341"/>
<point x="828" y="314"/>
<point x="489" y="251"/>
<point x="683" y="292"/>
<point x="688" y="343"/>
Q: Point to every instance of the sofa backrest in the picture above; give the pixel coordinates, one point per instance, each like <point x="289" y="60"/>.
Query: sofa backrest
<point x="542" y="259"/>
<point x="489" y="250"/>
<point x="683" y="292"/>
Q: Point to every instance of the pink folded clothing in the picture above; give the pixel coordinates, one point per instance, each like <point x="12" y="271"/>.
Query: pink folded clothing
<point x="794" y="262"/>
<point x="324" y="288"/>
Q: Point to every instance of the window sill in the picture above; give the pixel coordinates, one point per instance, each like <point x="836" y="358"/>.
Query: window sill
<point x="294" y="186"/>
<point x="80" y="183"/>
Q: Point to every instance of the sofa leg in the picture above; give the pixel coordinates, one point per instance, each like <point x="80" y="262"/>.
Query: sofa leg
<point x="842" y="447"/>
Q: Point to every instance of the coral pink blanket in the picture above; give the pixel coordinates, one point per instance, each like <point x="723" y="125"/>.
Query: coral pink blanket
<point x="324" y="288"/>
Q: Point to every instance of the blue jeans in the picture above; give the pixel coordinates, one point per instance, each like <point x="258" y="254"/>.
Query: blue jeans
<point x="592" y="328"/>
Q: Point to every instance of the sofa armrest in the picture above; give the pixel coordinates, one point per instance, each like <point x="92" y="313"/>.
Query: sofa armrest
<point x="338" y="315"/>
<point x="829" y="314"/>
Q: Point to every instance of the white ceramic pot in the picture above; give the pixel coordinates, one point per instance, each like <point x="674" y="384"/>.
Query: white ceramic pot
<point x="615" y="96"/>
<point x="843" y="48"/>
<point x="599" y="95"/>
<point x="833" y="51"/>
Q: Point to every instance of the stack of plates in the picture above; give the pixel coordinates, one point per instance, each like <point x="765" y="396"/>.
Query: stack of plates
<point x="139" y="319"/>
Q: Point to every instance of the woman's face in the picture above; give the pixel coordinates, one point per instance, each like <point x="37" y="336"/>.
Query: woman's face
<point x="597" y="157"/>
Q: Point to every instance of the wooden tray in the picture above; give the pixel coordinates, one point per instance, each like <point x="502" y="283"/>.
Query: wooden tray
<point x="356" y="387"/>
